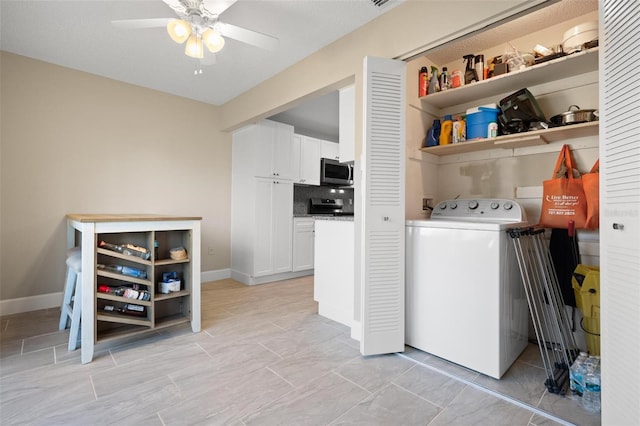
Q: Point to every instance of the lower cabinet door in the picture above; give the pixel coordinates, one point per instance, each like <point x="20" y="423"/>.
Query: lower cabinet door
<point x="272" y="241"/>
<point x="303" y="242"/>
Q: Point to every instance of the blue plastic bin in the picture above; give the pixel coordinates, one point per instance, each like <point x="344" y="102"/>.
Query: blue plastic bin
<point x="478" y="120"/>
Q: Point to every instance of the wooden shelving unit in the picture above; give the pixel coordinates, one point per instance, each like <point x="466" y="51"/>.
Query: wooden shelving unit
<point x="518" y="140"/>
<point x="155" y="316"/>
<point x="102" y="319"/>
<point x="564" y="67"/>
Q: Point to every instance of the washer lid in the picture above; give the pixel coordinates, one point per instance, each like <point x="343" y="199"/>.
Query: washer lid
<point x="464" y="224"/>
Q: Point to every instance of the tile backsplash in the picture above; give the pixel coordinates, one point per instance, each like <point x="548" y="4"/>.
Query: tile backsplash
<point x="302" y="194"/>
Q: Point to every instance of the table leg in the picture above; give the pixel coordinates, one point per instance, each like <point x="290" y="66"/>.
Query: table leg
<point x="87" y="324"/>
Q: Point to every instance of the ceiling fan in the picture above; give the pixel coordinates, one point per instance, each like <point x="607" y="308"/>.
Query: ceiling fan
<point x="198" y="24"/>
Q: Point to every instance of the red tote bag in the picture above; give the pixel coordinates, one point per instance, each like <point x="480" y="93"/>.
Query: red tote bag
<point x="563" y="197"/>
<point x="591" y="186"/>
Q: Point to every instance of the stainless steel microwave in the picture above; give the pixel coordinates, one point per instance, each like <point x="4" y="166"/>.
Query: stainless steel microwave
<point x="335" y="173"/>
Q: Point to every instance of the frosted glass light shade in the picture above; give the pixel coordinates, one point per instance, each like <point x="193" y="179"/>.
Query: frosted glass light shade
<point x="179" y="30"/>
<point x="194" y="47"/>
<point x="213" y="40"/>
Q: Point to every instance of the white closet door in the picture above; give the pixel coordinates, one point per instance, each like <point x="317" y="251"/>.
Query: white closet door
<point x="619" y="211"/>
<point x="383" y="219"/>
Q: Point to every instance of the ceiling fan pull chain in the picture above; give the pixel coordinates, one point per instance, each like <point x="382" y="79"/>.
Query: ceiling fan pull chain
<point x="197" y="69"/>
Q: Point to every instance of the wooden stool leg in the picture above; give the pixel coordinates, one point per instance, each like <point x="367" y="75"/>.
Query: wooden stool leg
<point x="75" y="314"/>
<point x="65" y="310"/>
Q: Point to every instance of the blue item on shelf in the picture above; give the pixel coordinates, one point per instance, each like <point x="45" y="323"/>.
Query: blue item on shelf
<point x="479" y="119"/>
<point x="433" y="135"/>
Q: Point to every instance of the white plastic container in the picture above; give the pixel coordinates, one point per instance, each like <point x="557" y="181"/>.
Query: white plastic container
<point x="578" y="35"/>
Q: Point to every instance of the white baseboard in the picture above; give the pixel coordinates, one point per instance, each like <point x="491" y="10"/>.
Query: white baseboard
<point x="249" y="280"/>
<point x="31" y="303"/>
<point x="219" y="274"/>
<point x="53" y="300"/>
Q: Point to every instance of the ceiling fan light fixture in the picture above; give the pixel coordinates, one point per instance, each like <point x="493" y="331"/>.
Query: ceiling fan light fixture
<point x="194" y="47"/>
<point x="179" y="30"/>
<point x="213" y="40"/>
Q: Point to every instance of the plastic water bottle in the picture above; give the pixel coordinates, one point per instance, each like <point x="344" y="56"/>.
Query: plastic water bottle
<point x="576" y="375"/>
<point x="591" y="397"/>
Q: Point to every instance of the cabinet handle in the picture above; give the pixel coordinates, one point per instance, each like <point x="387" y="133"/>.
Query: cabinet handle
<point x="618" y="226"/>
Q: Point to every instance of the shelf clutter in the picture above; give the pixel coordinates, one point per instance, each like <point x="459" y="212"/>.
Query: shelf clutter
<point x="562" y="67"/>
<point x="518" y="140"/>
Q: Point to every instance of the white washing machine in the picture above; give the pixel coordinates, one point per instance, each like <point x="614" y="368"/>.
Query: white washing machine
<point x="465" y="301"/>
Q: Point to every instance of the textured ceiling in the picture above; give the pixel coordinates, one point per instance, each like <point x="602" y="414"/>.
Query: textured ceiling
<point x="78" y="34"/>
<point x="554" y="14"/>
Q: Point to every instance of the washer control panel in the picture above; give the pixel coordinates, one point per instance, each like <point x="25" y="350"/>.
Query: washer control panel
<point x="480" y="209"/>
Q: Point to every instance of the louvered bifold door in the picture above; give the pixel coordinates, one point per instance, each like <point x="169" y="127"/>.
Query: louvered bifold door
<point x="620" y="211"/>
<point x="383" y="207"/>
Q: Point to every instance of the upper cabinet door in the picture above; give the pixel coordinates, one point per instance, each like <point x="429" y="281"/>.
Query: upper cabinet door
<point x="382" y="224"/>
<point x="283" y="164"/>
<point x="272" y="150"/>
<point x="310" y="161"/>
<point x="329" y="150"/>
<point x="296" y="146"/>
<point x="347" y="130"/>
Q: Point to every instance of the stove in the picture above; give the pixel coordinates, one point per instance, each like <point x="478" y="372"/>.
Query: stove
<point x="328" y="206"/>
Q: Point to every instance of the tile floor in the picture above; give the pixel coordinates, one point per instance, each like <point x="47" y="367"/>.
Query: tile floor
<point x="264" y="357"/>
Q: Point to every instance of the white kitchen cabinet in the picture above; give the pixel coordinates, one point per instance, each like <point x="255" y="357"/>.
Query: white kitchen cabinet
<point x="272" y="236"/>
<point x="303" y="242"/>
<point x="347" y="120"/>
<point x="270" y="149"/>
<point x="261" y="208"/>
<point x="306" y="157"/>
<point x="329" y="150"/>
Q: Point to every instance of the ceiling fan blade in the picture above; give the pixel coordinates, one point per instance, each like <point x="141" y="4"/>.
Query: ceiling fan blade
<point x="216" y="7"/>
<point x="141" y="23"/>
<point x="244" y="35"/>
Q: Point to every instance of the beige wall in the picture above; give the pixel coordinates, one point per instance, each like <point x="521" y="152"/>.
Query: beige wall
<point x="76" y="142"/>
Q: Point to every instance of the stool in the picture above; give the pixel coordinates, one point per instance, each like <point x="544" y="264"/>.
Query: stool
<point x="72" y="300"/>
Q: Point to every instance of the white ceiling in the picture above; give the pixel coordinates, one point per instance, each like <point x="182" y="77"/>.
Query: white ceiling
<point x="79" y="34"/>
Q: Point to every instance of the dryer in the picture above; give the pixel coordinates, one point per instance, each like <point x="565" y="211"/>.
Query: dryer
<point x="465" y="301"/>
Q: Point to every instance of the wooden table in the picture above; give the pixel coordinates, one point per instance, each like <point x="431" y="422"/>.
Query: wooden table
<point x="83" y="230"/>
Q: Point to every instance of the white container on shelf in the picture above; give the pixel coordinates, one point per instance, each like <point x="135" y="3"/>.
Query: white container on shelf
<point x="575" y="37"/>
